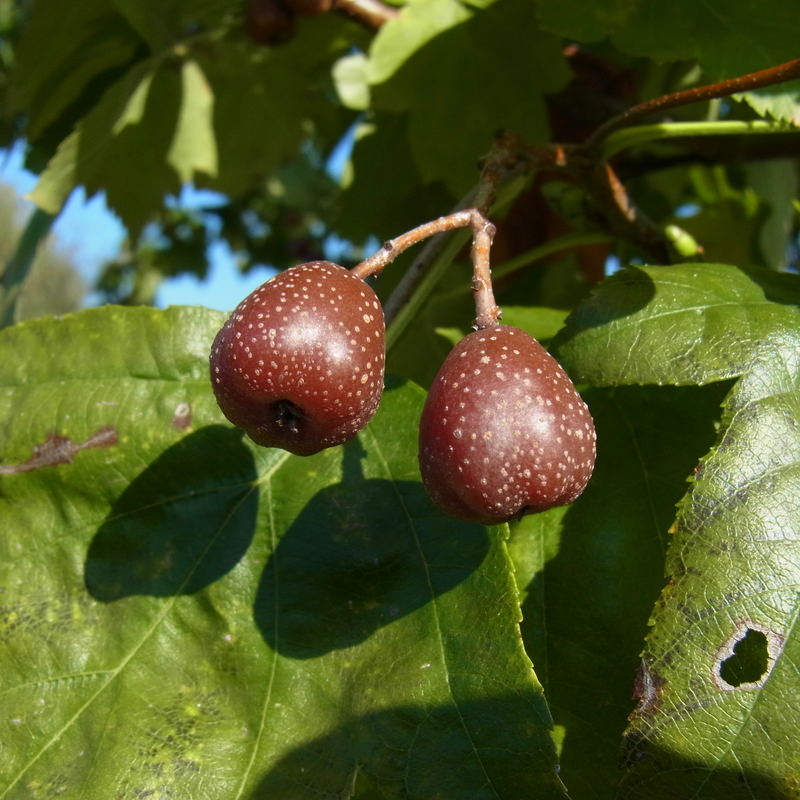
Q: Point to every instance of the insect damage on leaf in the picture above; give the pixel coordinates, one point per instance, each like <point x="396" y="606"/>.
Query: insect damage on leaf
<point x="182" y="416"/>
<point x="746" y="659"/>
<point x="57" y="449"/>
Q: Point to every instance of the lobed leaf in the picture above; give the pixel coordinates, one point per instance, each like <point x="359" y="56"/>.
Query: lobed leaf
<point x="223" y="118"/>
<point x="183" y="613"/>
<point x="126" y="135"/>
<point x="685" y="324"/>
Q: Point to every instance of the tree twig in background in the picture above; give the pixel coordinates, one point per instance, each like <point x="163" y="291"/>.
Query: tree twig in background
<point x="372" y="13"/>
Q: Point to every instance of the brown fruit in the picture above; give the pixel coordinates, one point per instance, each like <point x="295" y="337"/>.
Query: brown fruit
<point x="503" y="432"/>
<point x="300" y="362"/>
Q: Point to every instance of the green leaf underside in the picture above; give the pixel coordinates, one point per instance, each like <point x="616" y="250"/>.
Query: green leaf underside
<point x="186" y="614"/>
<point x="179" y="119"/>
<point x="685" y="324"/>
<point x="83" y="42"/>
<point x="718" y="680"/>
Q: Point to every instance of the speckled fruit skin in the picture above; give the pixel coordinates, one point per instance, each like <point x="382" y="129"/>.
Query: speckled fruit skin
<point x="503" y="432"/>
<point x="300" y="362"/>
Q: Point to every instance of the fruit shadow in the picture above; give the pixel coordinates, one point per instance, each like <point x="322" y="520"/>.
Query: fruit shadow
<point x="360" y="555"/>
<point x="181" y="524"/>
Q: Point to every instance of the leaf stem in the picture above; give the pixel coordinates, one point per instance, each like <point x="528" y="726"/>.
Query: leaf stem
<point x="639" y="134"/>
<point x="20" y="263"/>
<point x="781" y="73"/>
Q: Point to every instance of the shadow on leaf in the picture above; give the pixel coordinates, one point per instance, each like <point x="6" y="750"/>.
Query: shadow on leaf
<point x="184" y="522"/>
<point x="482" y="748"/>
<point x="587" y="607"/>
<point x="654" y="773"/>
<point x="361" y="554"/>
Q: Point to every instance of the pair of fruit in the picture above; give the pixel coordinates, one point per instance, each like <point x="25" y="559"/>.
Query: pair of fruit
<point x="300" y="364"/>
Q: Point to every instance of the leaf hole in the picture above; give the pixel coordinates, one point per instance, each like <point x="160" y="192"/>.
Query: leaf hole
<point x="749" y="662"/>
<point x="746" y="660"/>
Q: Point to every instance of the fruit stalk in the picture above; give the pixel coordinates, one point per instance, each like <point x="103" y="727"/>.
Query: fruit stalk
<point x="487" y="312"/>
<point x="375" y="264"/>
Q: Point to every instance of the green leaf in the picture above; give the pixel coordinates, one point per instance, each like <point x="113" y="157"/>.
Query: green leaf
<point x="186" y="614"/>
<point x="776" y="182"/>
<point x="396" y="179"/>
<point x="541" y="323"/>
<point x="717" y="715"/>
<point x="267" y="102"/>
<point x="193" y="147"/>
<point x="590" y="572"/>
<point x="450" y="130"/>
<point x="156" y="122"/>
<point x="583" y="20"/>
<point x="153" y="20"/>
<point x="222" y="119"/>
<point x="744" y="38"/>
<point x="349" y="75"/>
<point x="65" y="55"/>
<point x="420" y="22"/>
<point x="163" y="25"/>
<point x="729" y="219"/>
<point x="125" y="136"/>
<point x="781" y="101"/>
<point x="686" y="324"/>
<point x="727" y="39"/>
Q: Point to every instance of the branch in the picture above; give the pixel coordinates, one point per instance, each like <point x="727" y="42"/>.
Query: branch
<point x="372" y="13"/>
<point x="487" y="311"/>
<point x="623" y="217"/>
<point x="507" y="157"/>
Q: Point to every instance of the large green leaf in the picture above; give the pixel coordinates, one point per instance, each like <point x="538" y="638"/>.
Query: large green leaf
<point x="687" y="324"/>
<point x="717" y="713"/>
<point x="591" y="572"/>
<point x="185" y="614"/>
